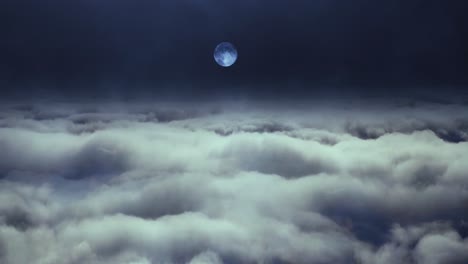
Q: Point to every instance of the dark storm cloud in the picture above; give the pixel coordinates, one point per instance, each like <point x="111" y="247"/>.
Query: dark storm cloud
<point x="266" y="127"/>
<point x="454" y="131"/>
<point x="179" y="192"/>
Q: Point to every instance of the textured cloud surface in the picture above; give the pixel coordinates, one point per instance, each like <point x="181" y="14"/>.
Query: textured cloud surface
<point x="83" y="183"/>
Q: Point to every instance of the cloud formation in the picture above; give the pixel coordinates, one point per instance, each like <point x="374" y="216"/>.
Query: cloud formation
<point x="256" y="184"/>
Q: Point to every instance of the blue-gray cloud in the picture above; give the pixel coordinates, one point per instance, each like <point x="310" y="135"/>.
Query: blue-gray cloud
<point x="245" y="184"/>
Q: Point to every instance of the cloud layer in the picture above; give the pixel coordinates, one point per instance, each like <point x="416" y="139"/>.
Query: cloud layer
<point x="84" y="183"/>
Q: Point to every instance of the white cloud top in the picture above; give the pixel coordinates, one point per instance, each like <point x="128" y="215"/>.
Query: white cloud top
<point x="138" y="184"/>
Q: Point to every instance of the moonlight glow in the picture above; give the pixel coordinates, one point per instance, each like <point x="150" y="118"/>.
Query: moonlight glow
<point x="225" y="54"/>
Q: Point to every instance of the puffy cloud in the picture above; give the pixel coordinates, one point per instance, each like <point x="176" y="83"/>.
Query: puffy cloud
<point x="238" y="185"/>
<point x="426" y="243"/>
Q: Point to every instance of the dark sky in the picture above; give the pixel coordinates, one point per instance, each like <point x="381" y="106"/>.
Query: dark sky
<point x="129" y="48"/>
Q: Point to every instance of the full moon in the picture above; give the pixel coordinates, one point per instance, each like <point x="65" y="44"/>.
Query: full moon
<point x="225" y="54"/>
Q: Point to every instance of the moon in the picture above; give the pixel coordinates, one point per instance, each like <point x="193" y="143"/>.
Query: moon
<point x="225" y="54"/>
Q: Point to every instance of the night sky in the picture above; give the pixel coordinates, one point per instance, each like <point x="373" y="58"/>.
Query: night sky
<point x="339" y="136"/>
<point x="302" y="48"/>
